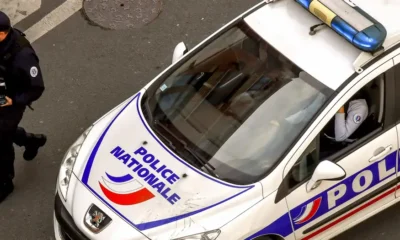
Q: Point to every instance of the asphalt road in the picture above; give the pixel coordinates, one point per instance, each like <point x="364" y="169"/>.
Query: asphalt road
<point x="87" y="72"/>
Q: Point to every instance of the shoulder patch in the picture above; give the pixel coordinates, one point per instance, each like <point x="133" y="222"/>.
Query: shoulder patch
<point x="34" y="71"/>
<point x="357" y="118"/>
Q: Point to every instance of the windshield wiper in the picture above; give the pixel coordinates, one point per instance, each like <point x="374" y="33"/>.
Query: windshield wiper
<point x="210" y="168"/>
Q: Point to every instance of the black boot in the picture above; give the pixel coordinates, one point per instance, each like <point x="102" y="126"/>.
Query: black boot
<point x="6" y="189"/>
<point x="34" y="142"/>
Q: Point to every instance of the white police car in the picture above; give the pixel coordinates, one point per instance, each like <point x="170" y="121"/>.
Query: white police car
<point x="230" y="142"/>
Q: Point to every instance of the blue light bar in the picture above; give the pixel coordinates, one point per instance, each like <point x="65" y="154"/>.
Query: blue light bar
<point x="349" y="21"/>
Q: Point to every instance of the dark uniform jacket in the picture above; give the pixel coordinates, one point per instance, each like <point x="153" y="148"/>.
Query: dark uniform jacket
<point x="23" y="76"/>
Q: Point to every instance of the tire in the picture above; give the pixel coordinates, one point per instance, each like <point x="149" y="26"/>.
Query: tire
<point x="264" y="238"/>
<point x="268" y="238"/>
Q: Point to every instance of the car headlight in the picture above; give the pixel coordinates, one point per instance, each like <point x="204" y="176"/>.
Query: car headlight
<point x="211" y="235"/>
<point x="68" y="162"/>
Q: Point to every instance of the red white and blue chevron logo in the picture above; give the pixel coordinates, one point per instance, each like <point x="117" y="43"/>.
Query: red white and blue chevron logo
<point x="124" y="190"/>
<point x="308" y="211"/>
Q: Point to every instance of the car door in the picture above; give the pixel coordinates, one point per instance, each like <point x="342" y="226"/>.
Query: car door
<point x="397" y="107"/>
<point x="369" y="164"/>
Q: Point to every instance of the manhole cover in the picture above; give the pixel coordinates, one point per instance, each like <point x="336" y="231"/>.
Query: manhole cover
<point x="121" y="14"/>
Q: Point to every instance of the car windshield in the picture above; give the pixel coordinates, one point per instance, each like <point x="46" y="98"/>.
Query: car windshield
<point x="234" y="107"/>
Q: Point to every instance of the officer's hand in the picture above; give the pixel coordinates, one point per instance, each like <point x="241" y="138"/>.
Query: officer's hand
<point x="9" y="102"/>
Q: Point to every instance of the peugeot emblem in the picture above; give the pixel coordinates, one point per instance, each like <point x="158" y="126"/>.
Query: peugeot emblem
<point x="96" y="220"/>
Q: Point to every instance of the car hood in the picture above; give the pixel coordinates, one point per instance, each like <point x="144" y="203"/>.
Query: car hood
<point x="130" y="170"/>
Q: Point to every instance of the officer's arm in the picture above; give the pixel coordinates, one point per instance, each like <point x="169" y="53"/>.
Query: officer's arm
<point x="356" y="115"/>
<point x="28" y="72"/>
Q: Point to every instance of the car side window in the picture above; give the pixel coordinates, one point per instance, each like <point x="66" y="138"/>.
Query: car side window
<point x="306" y="164"/>
<point x="362" y="114"/>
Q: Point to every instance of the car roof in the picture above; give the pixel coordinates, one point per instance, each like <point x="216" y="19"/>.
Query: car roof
<point x="326" y="56"/>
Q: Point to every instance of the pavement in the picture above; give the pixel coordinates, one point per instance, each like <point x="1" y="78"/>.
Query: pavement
<point x="88" y="70"/>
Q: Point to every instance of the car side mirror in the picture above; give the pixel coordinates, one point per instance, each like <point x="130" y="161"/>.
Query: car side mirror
<point x="179" y="51"/>
<point x="325" y="171"/>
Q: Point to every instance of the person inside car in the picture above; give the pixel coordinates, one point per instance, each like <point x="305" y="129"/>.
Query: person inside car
<point x="349" y="118"/>
<point x="348" y="125"/>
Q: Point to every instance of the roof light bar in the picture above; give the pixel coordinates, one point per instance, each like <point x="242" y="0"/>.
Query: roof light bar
<point x="349" y="21"/>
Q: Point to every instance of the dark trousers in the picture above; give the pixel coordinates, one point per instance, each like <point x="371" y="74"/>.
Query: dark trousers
<point x="10" y="117"/>
<point x="21" y="137"/>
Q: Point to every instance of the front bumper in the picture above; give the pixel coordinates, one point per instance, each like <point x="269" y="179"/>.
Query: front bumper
<point x="69" y="217"/>
<point x="64" y="226"/>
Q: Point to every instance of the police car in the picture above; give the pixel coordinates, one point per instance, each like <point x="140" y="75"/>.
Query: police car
<point x="231" y="141"/>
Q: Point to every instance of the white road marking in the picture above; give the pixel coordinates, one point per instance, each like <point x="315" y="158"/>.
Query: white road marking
<point x="17" y="10"/>
<point x="53" y="19"/>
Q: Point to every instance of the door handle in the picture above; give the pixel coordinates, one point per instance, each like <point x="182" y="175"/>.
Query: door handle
<point x="380" y="153"/>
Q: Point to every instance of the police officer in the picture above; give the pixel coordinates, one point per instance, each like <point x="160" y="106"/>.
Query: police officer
<point x="349" y="119"/>
<point x="24" y="84"/>
<point x="350" y="123"/>
<point x="347" y="124"/>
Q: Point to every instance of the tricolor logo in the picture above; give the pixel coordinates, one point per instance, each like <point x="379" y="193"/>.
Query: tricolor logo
<point x="308" y="211"/>
<point x="124" y="190"/>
